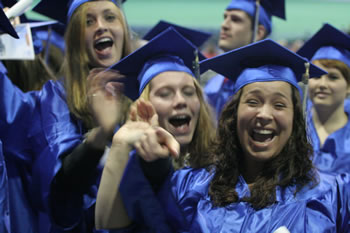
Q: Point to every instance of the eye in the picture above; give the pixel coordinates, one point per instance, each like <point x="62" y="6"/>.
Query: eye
<point x="110" y="17"/>
<point x="164" y="93"/>
<point x="89" y="21"/>
<point x="189" y="91"/>
<point x="332" y="76"/>
<point x="235" y="19"/>
<point x="252" y="102"/>
<point x="280" y="105"/>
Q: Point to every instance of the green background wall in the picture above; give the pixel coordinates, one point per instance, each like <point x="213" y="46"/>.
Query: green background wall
<point x="304" y="17"/>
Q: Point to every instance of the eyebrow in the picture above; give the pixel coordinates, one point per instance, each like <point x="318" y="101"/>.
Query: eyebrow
<point x="257" y="91"/>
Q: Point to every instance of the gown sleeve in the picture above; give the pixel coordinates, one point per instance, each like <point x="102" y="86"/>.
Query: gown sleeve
<point x="139" y="195"/>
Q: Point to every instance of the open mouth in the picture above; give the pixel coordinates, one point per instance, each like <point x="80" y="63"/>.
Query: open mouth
<point x="103" y="43"/>
<point x="180" y="121"/>
<point x="262" y="135"/>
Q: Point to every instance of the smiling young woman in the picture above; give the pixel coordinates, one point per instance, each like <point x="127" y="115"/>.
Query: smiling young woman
<point x="327" y="116"/>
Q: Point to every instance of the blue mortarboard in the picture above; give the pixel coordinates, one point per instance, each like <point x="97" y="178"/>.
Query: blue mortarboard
<point x="262" y="61"/>
<point x="168" y="51"/>
<point x="56" y="10"/>
<point x="6" y="26"/>
<point x="268" y="8"/>
<point x="196" y="37"/>
<point x="327" y="43"/>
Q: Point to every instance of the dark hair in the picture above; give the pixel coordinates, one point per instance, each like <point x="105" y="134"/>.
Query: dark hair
<point x="341" y="66"/>
<point x="293" y="166"/>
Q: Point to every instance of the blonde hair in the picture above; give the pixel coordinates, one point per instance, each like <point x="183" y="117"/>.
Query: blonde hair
<point x="76" y="64"/>
<point x="197" y="153"/>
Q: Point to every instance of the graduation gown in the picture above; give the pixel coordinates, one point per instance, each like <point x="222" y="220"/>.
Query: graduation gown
<point x="36" y="129"/>
<point x="4" y="196"/>
<point x="334" y="155"/>
<point x="324" y="208"/>
<point x="218" y="91"/>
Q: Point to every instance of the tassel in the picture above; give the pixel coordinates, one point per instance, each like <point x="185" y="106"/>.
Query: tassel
<point x="305" y="82"/>
<point x="196" y="65"/>
<point x="256" y="20"/>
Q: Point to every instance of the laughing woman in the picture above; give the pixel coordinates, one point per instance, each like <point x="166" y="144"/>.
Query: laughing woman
<point x="171" y="103"/>
<point x="327" y="118"/>
<point x="55" y="137"/>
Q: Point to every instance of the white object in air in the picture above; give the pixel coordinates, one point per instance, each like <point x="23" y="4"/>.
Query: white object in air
<point x="282" y="229"/>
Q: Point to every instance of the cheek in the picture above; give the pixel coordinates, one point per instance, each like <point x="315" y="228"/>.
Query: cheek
<point x="163" y="109"/>
<point x="195" y="105"/>
<point x="285" y="120"/>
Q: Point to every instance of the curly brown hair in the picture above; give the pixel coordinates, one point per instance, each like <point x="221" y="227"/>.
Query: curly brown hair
<point x="293" y="166"/>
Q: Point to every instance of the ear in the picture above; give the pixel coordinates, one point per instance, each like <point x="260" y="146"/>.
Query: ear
<point x="261" y="33"/>
<point x="348" y="90"/>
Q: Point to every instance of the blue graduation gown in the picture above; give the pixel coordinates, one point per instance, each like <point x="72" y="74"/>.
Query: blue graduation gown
<point x="4" y="196"/>
<point x="324" y="208"/>
<point x="141" y="203"/>
<point x="334" y="155"/>
<point x="36" y="129"/>
<point x="218" y="91"/>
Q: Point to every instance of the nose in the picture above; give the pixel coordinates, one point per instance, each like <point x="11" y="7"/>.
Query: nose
<point x="224" y="24"/>
<point x="322" y="82"/>
<point x="264" y="115"/>
<point x="179" y="100"/>
<point x="101" y="26"/>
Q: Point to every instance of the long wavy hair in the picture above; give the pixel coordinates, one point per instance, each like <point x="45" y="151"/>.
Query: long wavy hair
<point x="197" y="154"/>
<point x="76" y="64"/>
<point x="293" y="166"/>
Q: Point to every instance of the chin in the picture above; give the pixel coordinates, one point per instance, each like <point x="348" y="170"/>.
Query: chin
<point x="184" y="140"/>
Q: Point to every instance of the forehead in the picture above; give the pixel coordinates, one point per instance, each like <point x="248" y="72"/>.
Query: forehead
<point x="273" y="88"/>
<point x="172" y="78"/>
<point x="238" y="13"/>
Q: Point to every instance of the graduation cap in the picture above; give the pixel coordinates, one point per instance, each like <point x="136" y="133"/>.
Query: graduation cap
<point x="6" y="26"/>
<point x="266" y="9"/>
<point x="327" y="43"/>
<point x="168" y="51"/>
<point x="262" y="61"/>
<point x="62" y="10"/>
<point x="196" y="37"/>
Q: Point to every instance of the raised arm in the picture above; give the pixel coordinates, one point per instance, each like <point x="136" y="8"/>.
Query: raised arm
<point x="151" y="142"/>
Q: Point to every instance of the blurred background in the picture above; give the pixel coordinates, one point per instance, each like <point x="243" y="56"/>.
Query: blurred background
<point x="304" y="17"/>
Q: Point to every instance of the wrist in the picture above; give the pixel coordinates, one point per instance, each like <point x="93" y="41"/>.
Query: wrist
<point x="96" y="139"/>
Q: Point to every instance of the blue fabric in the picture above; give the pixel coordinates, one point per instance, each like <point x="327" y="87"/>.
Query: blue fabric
<point x="36" y="129"/>
<point x="76" y="3"/>
<point x="4" y="196"/>
<point x="218" y="92"/>
<point x="188" y="207"/>
<point x="333" y="53"/>
<point x="141" y="203"/>
<point x="334" y="155"/>
<point x="163" y="63"/>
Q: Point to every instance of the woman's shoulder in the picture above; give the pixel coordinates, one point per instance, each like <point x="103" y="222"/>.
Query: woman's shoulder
<point x="329" y="185"/>
<point x="192" y="179"/>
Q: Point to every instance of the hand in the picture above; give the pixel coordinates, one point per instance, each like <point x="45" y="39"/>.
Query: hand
<point x="105" y="98"/>
<point x="144" y="111"/>
<point x="14" y="21"/>
<point x="157" y="143"/>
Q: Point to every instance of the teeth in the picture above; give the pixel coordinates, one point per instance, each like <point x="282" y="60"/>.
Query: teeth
<point x="180" y="117"/>
<point x="263" y="131"/>
<point x="102" y="40"/>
